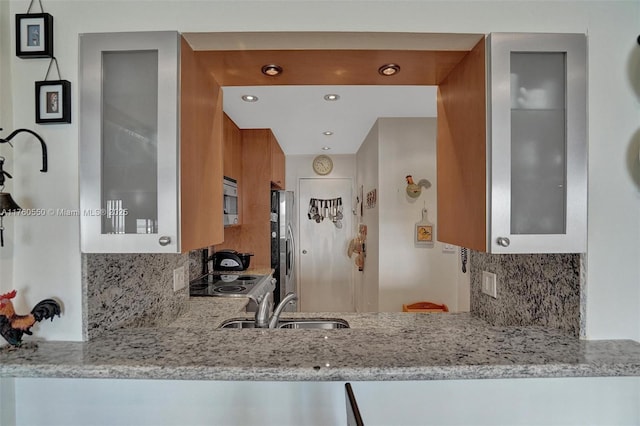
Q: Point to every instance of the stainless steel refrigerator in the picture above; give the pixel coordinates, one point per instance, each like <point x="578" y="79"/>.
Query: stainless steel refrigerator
<point x="283" y="246"/>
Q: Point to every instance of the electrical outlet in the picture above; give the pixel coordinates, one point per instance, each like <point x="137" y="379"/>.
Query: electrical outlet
<point x="489" y="284"/>
<point x="179" y="279"/>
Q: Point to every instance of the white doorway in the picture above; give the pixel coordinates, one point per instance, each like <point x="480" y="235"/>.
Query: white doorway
<point x="325" y="275"/>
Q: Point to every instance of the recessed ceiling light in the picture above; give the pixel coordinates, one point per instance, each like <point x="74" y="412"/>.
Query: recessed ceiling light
<point x="249" y="98"/>
<point x="389" y="69"/>
<point x="272" y="70"/>
<point x="331" y="97"/>
<point x="327" y="133"/>
<point x="326" y="148"/>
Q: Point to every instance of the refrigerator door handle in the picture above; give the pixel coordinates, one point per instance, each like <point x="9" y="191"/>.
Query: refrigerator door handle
<point x="290" y="253"/>
<point x="287" y="260"/>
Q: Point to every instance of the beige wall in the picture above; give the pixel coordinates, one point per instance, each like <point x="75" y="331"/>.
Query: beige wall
<point x="397" y="271"/>
<point x="410" y="273"/>
<point x="368" y="281"/>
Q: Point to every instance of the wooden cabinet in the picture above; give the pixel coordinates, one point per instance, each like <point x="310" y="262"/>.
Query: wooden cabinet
<point x="258" y="149"/>
<point x="262" y="170"/>
<point x="512" y="178"/>
<point x="201" y="133"/>
<point x="141" y="145"/>
<point x="277" y="164"/>
<point x="232" y="148"/>
<point x="232" y="165"/>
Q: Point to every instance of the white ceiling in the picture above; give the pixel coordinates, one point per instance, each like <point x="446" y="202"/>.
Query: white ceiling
<point x="298" y="115"/>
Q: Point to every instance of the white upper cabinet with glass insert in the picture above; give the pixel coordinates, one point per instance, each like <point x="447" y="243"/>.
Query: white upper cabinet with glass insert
<point x="538" y="143"/>
<point x="136" y="151"/>
<point x="512" y="146"/>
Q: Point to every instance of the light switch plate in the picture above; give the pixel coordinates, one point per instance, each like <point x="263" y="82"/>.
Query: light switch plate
<point x="489" y="284"/>
<point x="179" y="279"/>
<point x="448" y="248"/>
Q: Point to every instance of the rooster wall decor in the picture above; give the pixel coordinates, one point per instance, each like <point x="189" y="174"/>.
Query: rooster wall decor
<point x="415" y="189"/>
<point x="13" y="326"/>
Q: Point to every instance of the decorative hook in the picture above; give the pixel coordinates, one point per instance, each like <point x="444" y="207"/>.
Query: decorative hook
<point x="42" y="144"/>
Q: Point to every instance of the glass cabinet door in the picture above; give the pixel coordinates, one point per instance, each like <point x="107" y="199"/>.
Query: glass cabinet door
<point x="538" y="143"/>
<point x="129" y="142"/>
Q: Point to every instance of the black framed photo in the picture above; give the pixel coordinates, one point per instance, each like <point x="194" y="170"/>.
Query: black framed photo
<point x="53" y="101"/>
<point x="34" y="35"/>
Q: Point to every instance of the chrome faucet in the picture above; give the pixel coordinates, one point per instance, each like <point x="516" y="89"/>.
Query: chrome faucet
<point x="264" y="310"/>
<point x="273" y="323"/>
<point x="264" y="318"/>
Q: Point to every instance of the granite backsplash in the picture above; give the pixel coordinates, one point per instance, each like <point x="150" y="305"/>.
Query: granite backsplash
<point x="533" y="289"/>
<point x="137" y="289"/>
<point x="133" y="289"/>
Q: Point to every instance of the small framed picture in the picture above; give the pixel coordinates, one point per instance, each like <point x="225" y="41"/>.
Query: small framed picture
<point x="53" y="101"/>
<point x="34" y="35"/>
<point x="424" y="233"/>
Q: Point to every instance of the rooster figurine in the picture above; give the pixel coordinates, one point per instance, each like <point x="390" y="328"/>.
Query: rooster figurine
<point x="13" y="326"/>
<point x="415" y="189"/>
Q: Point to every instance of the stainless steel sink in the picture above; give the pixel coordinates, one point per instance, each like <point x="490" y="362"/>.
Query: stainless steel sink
<point x="239" y="324"/>
<point x="314" y="323"/>
<point x="302" y="323"/>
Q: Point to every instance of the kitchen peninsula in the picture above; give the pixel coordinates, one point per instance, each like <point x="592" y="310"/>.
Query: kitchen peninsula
<point x="378" y="346"/>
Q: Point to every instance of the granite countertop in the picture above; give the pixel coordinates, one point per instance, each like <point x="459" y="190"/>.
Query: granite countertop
<point x="378" y="346"/>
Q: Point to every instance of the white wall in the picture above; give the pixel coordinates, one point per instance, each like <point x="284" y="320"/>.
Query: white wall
<point x="407" y="146"/>
<point x="7" y="402"/>
<point x="6" y="118"/>
<point x="51" y="243"/>
<point x="7" y="394"/>
<point x="46" y="259"/>
<point x="573" y="401"/>
<point x="613" y="293"/>
<point x="300" y="166"/>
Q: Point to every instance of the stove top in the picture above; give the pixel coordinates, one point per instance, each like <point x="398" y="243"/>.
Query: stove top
<point x="231" y="285"/>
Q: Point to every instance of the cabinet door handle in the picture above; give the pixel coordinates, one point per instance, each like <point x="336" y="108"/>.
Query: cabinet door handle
<point x="304" y="252"/>
<point x="503" y="241"/>
<point x="164" y="240"/>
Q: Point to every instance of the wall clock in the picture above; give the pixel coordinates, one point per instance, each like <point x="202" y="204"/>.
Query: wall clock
<point x="322" y="165"/>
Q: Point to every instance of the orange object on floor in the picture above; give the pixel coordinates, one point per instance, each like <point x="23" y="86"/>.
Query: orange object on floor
<point x="425" y="307"/>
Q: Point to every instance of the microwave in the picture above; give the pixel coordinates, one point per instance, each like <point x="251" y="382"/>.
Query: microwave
<point x="230" y="201"/>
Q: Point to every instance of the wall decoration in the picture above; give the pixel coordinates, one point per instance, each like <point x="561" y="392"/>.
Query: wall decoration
<point x="372" y="198"/>
<point x="34" y="34"/>
<point x="424" y="232"/>
<point x="53" y="99"/>
<point x="357" y="247"/>
<point x="13" y="326"/>
<point x="7" y="204"/>
<point x="415" y="189"/>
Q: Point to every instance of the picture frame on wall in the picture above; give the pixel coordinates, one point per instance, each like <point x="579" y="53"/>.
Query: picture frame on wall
<point x="34" y="35"/>
<point x="53" y="101"/>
